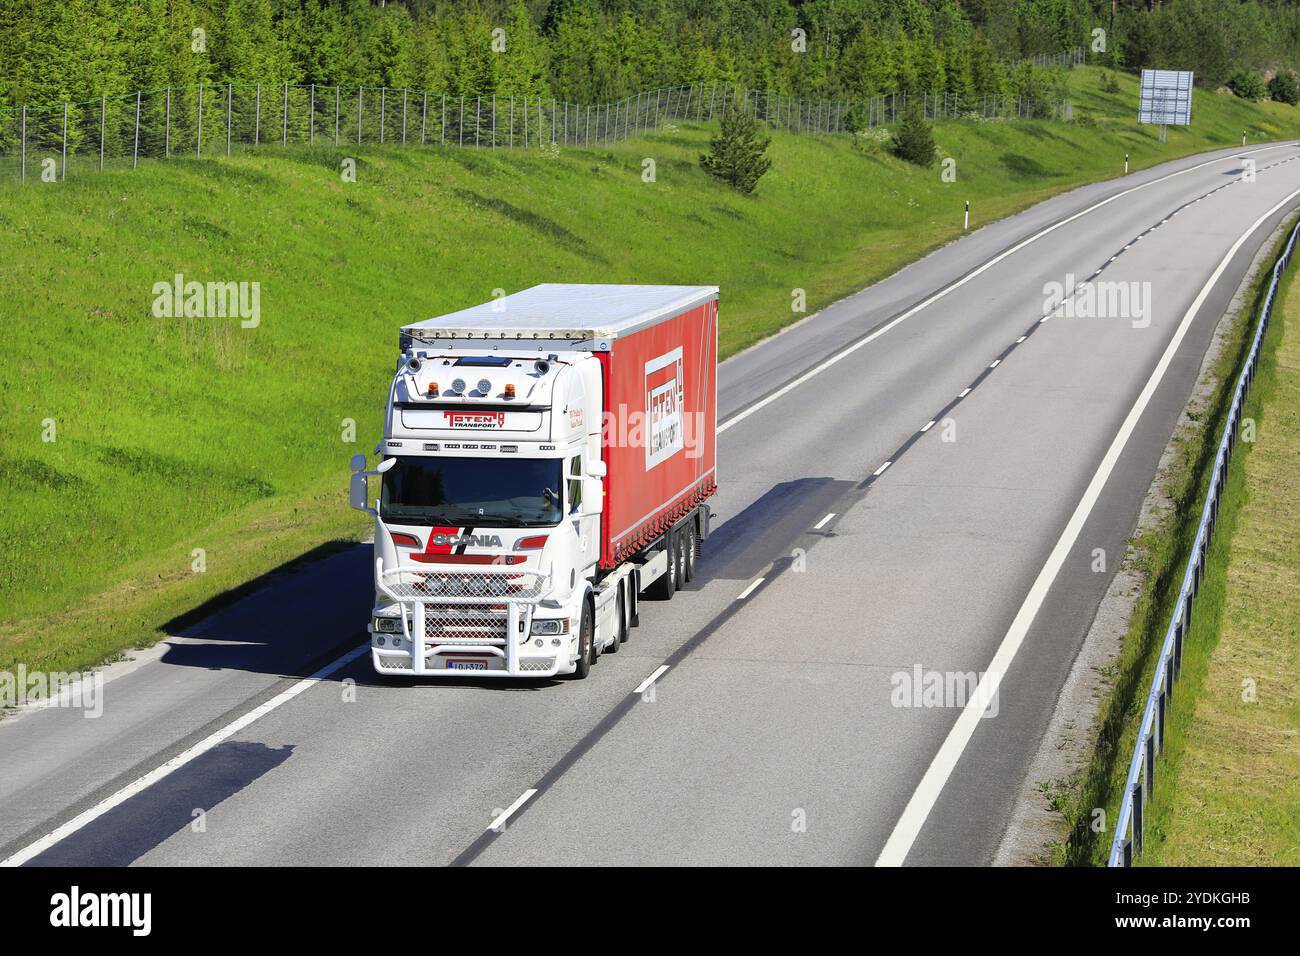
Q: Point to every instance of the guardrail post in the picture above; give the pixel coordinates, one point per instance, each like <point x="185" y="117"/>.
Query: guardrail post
<point x="1137" y="817"/>
<point x="1150" y="761"/>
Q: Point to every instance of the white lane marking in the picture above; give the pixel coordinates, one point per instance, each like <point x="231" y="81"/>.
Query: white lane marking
<point x="936" y="776"/>
<point x="995" y="363"/>
<point x="175" y="763"/>
<point x="1023" y="337"/>
<point x="935" y="297"/>
<point x="821" y="523"/>
<point x="496" y="825"/>
<point x="749" y="590"/>
<point x="881" y="470"/>
<point x="659" y="672"/>
<point x="928" y="425"/>
<point x="963" y="393"/>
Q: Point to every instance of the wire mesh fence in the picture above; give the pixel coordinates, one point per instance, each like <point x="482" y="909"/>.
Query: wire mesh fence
<point x="53" y="141"/>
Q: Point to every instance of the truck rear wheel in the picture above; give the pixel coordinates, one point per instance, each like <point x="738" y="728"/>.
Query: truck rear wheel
<point x="692" y="543"/>
<point x="586" y="648"/>
<point x="665" y="586"/>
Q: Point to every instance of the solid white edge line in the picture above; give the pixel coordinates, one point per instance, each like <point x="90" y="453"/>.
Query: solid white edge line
<point x="819" y="524"/>
<point x="935" y="297"/>
<point x="749" y="590"/>
<point x="141" y="784"/>
<point x="936" y="775"/>
<point x="496" y="825"/>
<point x="659" y="672"/>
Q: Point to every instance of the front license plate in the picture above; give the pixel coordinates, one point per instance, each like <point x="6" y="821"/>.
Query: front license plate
<point x="467" y="665"/>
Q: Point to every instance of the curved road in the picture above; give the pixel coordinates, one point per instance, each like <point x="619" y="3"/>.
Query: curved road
<point x="860" y="550"/>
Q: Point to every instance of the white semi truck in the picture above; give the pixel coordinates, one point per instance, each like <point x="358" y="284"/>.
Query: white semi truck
<point x="546" y="460"/>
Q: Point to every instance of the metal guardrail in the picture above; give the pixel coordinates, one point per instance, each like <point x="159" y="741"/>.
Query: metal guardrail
<point x="1140" y="784"/>
<point x="43" y="142"/>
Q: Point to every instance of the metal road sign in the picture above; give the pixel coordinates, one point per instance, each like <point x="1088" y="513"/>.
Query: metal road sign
<point x="1166" y="98"/>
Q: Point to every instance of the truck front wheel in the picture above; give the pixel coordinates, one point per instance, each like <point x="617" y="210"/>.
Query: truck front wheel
<point x="586" y="648"/>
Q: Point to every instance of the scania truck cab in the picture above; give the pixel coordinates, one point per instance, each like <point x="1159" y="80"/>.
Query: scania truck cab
<point x="493" y="549"/>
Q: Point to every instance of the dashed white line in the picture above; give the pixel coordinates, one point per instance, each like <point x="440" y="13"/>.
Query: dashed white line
<point x="995" y="363"/>
<point x="659" y="672"/>
<point x="749" y="590"/>
<point x="930" y="300"/>
<point x="820" y="524"/>
<point x="881" y="470"/>
<point x="928" y="425"/>
<point x="927" y="792"/>
<point x="141" y="784"/>
<point x="496" y="825"/>
<point x="963" y="393"/>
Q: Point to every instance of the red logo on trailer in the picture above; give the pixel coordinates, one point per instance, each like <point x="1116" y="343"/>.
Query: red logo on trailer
<point x="475" y="419"/>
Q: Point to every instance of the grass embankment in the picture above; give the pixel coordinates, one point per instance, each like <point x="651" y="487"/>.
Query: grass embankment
<point x="179" y="434"/>
<point x="1227" y="779"/>
<point x="1233" y="796"/>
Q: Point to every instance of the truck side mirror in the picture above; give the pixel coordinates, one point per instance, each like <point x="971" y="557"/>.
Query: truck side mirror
<point x="358" y="462"/>
<point x="358" y="489"/>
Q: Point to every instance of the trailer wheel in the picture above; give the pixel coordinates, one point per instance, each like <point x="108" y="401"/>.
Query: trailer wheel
<point x="681" y="560"/>
<point x="692" y="544"/>
<point x="665" y="586"/>
<point x="586" y="648"/>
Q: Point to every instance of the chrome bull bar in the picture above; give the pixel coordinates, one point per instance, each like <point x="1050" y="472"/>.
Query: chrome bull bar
<point x="480" y="610"/>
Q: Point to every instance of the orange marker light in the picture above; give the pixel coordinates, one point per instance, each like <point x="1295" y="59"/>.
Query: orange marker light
<point x="510" y="391"/>
<point x="433" y="389"/>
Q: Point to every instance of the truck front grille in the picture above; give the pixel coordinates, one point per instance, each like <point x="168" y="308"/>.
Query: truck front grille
<point x="464" y="624"/>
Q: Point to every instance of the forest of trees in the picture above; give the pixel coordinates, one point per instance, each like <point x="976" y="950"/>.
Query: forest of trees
<point x="594" y="50"/>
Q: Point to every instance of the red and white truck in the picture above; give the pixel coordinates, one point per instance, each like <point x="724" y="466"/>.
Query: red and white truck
<point x="546" y="460"/>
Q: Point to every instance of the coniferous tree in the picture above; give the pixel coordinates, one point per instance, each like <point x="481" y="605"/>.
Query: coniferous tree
<point x="915" y="139"/>
<point x="737" y="155"/>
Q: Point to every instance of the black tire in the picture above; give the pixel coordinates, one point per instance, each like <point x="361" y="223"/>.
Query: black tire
<point x="586" y="646"/>
<point x="692" y="543"/>
<point x="666" y="586"/>
<point x="681" y="560"/>
<point x="624" y="629"/>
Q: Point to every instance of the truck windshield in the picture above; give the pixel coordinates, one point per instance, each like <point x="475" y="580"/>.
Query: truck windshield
<point x="475" y="492"/>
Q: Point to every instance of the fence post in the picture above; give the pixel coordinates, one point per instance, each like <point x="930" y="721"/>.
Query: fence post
<point x="311" y="121"/>
<point x="103" y="115"/>
<point x="230" y="102"/>
<point x="539" y="122"/>
<point x="512" y="124"/>
<point x="167" y="127"/>
<point x="494" y="121"/>
<point x="460" y="123"/>
<point x="257" y="118"/>
<point x="404" y="91"/>
<point x="135" y="148"/>
<point x="284" y="124"/>
<point x="442" y="132"/>
<point x="424" y="116"/>
<point x="63" y="164"/>
<point x="383" y="112"/>
<point x="552" y="120"/>
<point x="336" y="115"/>
<point x="22" y="163"/>
<point x="198" y="142"/>
<point x="360" y="107"/>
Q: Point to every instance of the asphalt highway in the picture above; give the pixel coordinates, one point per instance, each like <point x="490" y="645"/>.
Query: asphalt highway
<point x="915" y="485"/>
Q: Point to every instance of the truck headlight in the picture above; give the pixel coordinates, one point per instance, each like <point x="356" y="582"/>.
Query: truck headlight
<point x="551" y="625"/>
<point x="388" y="625"/>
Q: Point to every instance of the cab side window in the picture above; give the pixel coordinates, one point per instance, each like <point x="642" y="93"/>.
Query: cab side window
<point x="575" y="483"/>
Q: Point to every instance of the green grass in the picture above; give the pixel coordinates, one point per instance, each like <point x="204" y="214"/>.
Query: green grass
<point x="1161" y="554"/>
<point x="178" y="434"/>
<point x="1232" y="787"/>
